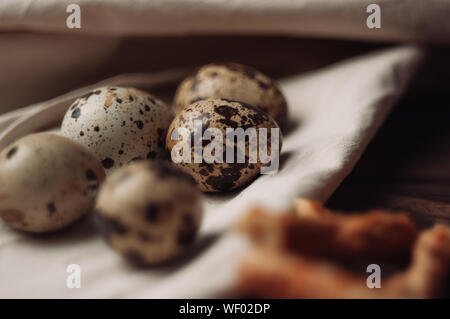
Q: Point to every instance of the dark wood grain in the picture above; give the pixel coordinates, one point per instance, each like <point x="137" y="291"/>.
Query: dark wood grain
<point x="407" y="165"/>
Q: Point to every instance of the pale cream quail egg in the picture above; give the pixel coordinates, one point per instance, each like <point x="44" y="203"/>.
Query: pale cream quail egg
<point x="215" y="172"/>
<point x="149" y="211"/>
<point x="118" y="124"/>
<point x="235" y="82"/>
<point x="47" y="182"/>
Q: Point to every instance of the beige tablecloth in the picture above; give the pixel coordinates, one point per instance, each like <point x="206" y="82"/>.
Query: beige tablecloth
<point x="335" y="111"/>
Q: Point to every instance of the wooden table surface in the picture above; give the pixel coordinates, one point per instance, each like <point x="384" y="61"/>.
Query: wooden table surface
<point x="407" y="166"/>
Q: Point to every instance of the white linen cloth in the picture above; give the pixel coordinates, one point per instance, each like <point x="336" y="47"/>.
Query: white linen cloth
<point x="401" y="19"/>
<point x="338" y="109"/>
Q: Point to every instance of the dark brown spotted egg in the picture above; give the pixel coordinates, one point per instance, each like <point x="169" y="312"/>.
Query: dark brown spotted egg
<point x="149" y="211"/>
<point x="118" y="124"/>
<point x="47" y="182"/>
<point x="219" y="162"/>
<point x="235" y="82"/>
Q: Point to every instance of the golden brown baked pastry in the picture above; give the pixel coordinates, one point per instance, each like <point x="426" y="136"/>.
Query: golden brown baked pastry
<point x="312" y="230"/>
<point x="289" y="262"/>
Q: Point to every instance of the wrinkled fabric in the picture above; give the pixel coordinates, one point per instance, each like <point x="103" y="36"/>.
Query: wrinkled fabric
<point x="334" y="110"/>
<point x="401" y="19"/>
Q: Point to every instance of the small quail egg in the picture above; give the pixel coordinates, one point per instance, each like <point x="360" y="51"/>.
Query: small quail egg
<point x="118" y="124"/>
<point x="47" y="182"/>
<point x="149" y="211"/>
<point x="221" y="169"/>
<point x="235" y="82"/>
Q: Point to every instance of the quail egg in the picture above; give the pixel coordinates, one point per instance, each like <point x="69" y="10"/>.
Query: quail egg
<point x="47" y="182"/>
<point x="235" y="82"/>
<point x="118" y="124"/>
<point x="149" y="211"/>
<point x="223" y="144"/>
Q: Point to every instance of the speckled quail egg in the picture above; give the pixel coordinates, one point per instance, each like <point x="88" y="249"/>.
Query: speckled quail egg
<point x="235" y="82"/>
<point x="218" y="167"/>
<point x="119" y="125"/>
<point x="47" y="182"/>
<point x="149" y="211"/>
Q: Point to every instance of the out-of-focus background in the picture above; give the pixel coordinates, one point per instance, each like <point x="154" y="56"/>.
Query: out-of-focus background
<point x="406" y="166"/>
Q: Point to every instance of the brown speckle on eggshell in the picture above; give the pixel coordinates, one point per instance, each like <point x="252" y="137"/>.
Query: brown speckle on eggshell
<point x="119" y="124"/>
<point x="149" y="211"/>
<point x="47" y="182"/>
<point x="221" y="114"/>
<point x="235" y="82"/>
